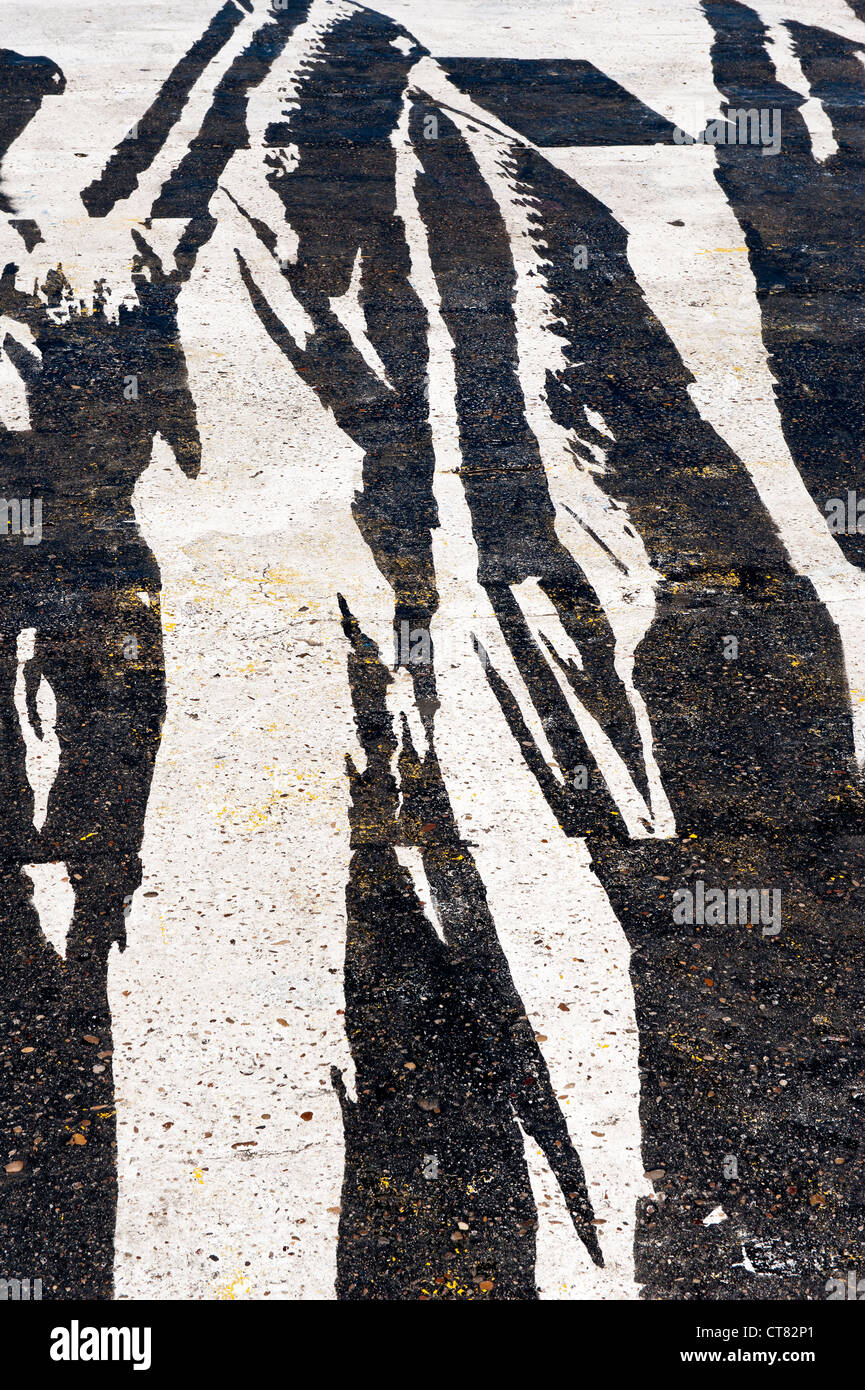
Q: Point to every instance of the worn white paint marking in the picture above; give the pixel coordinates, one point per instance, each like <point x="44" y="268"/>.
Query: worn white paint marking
<point x="42" y="756"/>
<point x="247" y="840"/>
<point x="14" y="409"/>
<point x="540" y="887"/>
<point x="247" y="833"/>
<point x="411" y="859"/>
<point x="790" y="74"/>
<point x="349" y="311"/>
<point x="546" y="627"/>
<point x="76" y="147"/>
<point x="54" y="900"/>
<point x="626" y="590"/>
<point x="702" y="290"/>
<point x="657" y="49"/>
